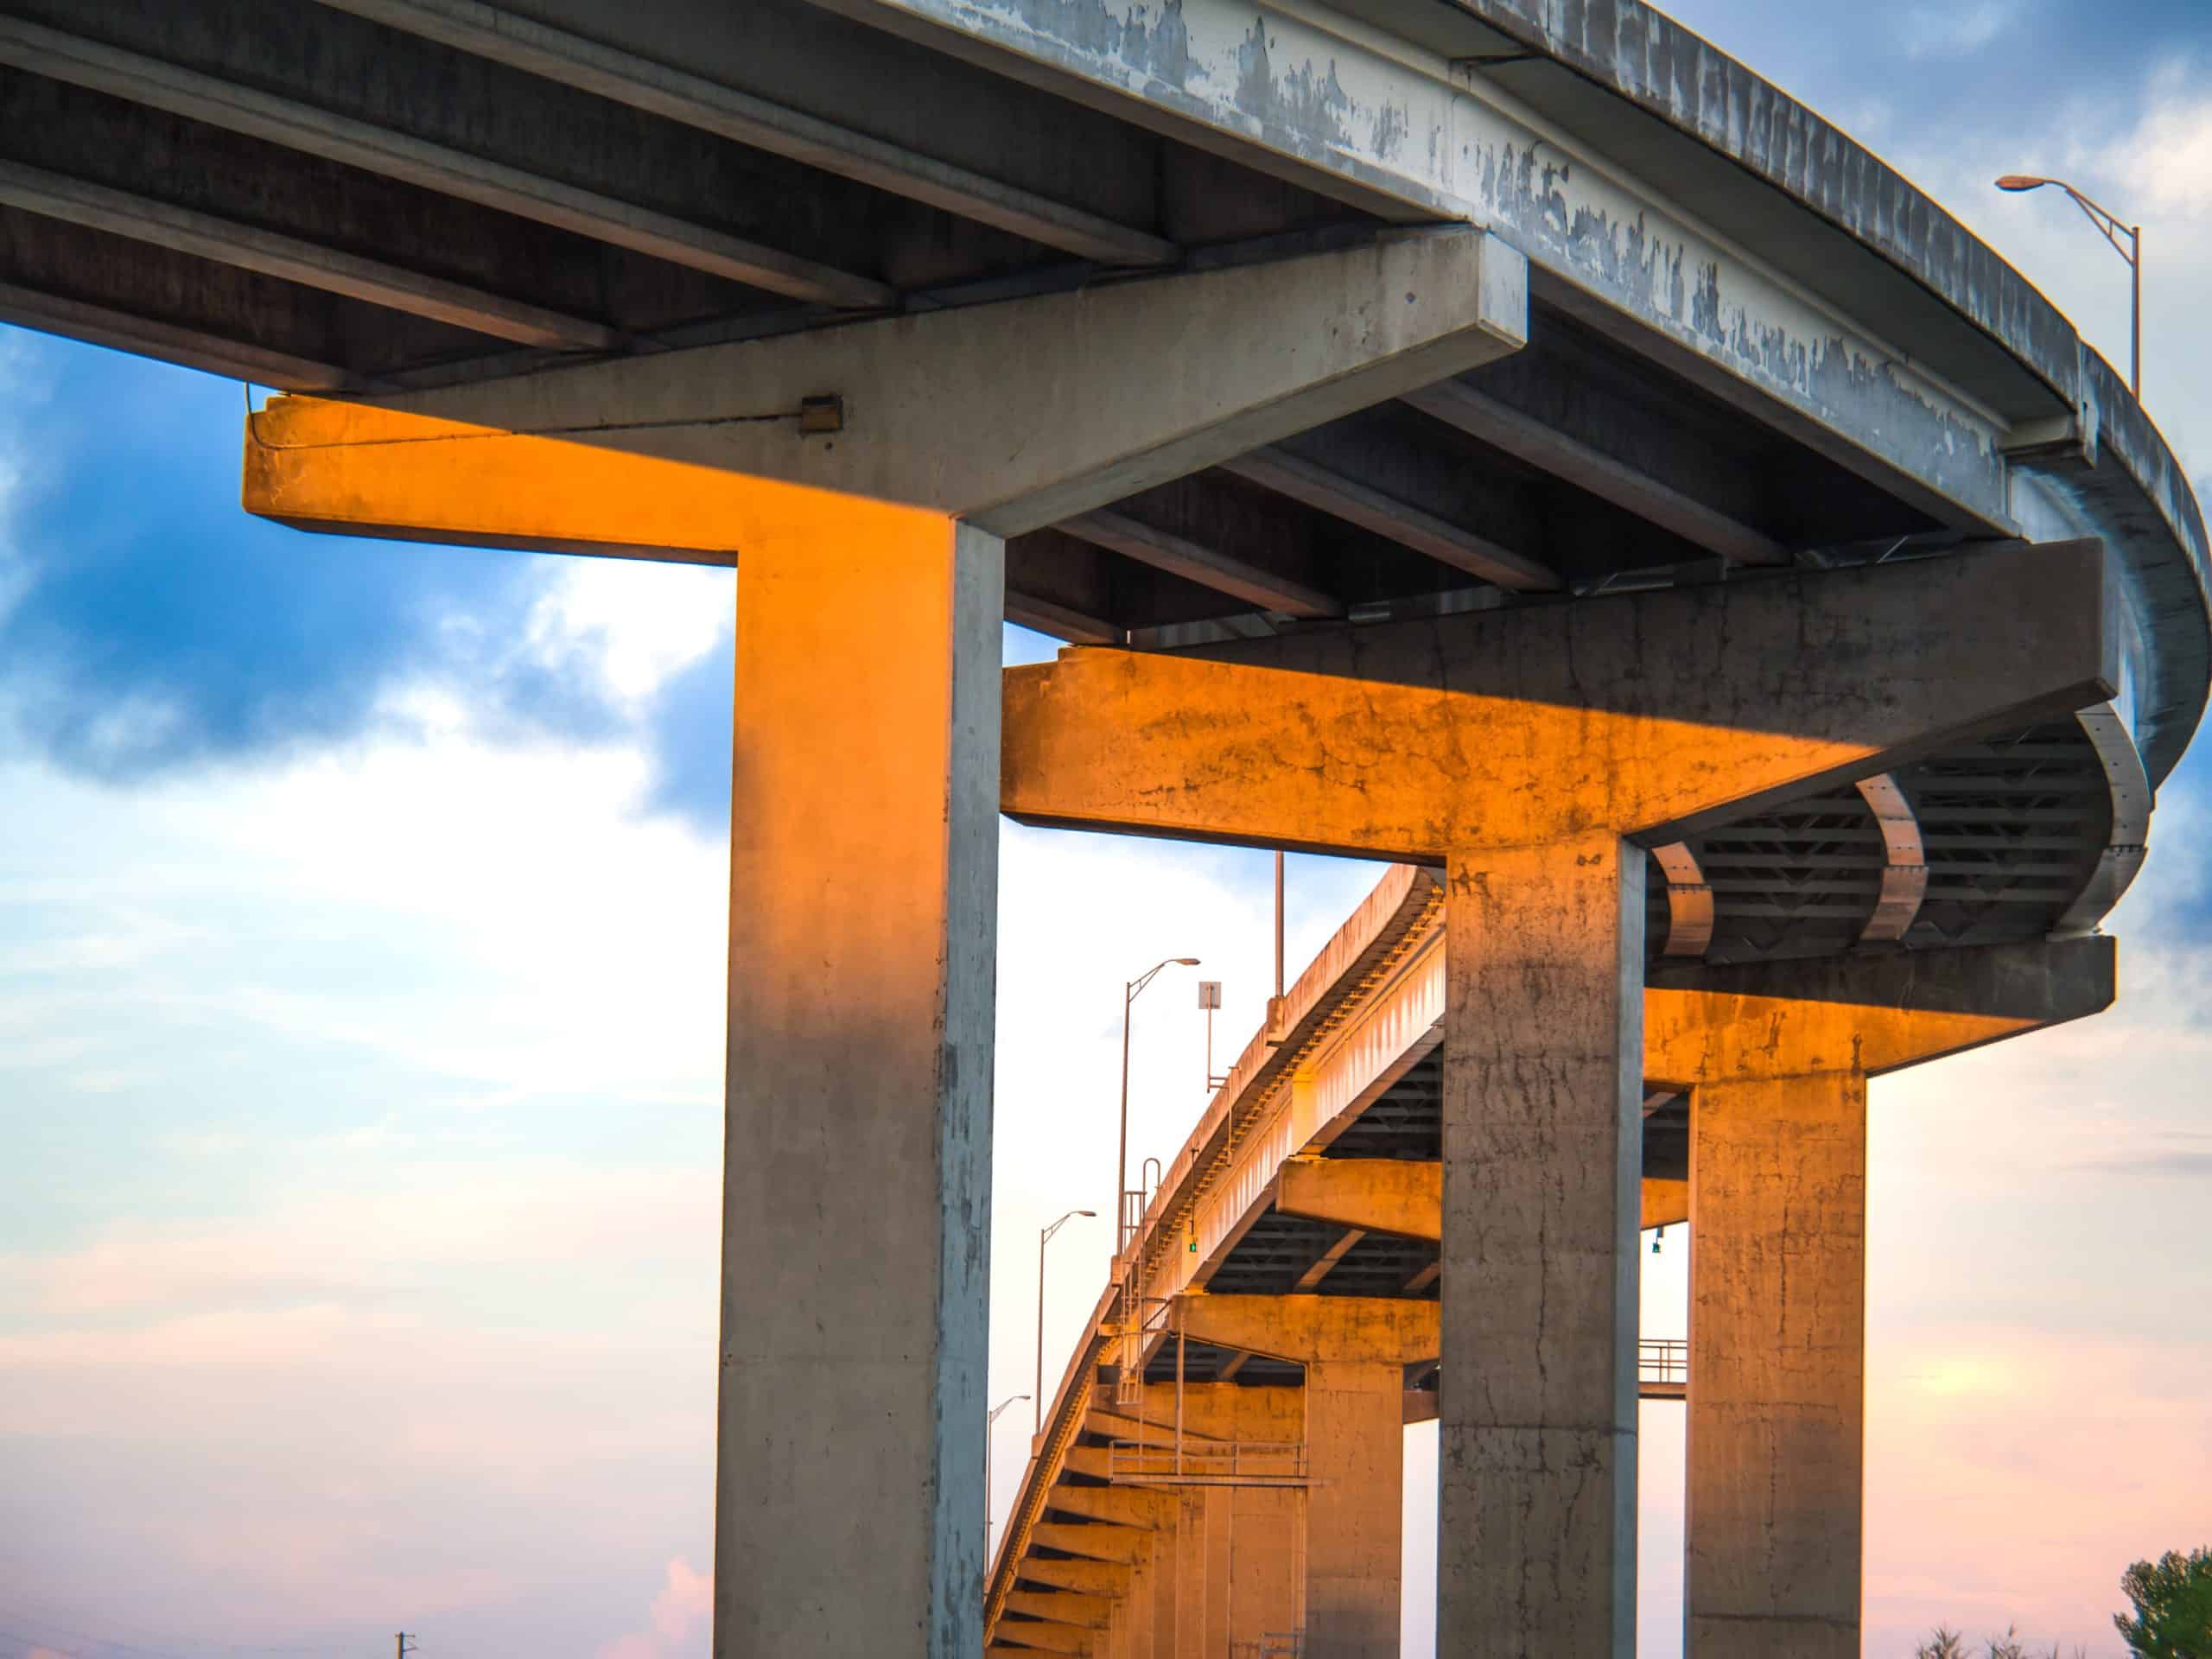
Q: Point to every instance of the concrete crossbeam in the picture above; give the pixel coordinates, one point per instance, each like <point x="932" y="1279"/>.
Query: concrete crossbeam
<point x="1307" y="1329"/>
<point x="1046" y="1637"/>
<point x="1102" y="1581"/>
<point x="1118" y="390"/>
<point x="1125" y="1546"/>
<point x="1868" y="1014"/>
<point x="1121" y="1505"/>
<point x="1414" y="739"/>
<point x="1406" y="1196"/>
<point x="1061" y="1607"/>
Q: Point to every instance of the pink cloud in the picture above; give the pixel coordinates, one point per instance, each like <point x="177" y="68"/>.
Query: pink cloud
<point x="679" y="1616"/>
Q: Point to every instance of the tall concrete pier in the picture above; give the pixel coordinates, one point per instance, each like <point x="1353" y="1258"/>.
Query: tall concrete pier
<point x="1543" y="453"/>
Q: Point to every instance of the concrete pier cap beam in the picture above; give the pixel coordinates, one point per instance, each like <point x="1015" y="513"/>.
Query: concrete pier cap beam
<point x="1009" y="416"/>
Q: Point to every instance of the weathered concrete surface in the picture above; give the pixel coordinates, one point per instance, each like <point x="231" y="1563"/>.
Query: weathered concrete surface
<point x="857" y="1214"/>
<point x="1119" y="388"/>
<point x="1778" y="1368"/>
<point x="1543" y="1040"/>
<point x="1355" y="1441"/>
<point x="1313" y="1329"/>
<point x="1416" y="740"/>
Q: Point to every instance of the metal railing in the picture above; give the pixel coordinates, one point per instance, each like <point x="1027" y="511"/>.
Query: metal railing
<point x="1206" y="1463"/>
<point x="1665" y="1363"/>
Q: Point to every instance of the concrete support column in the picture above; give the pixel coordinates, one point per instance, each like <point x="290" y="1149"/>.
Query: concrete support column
<point x="1265" y="1542"/>
<point x="1355" y="1451"/>
<point x="1166" y="1573"/>
<point x="1542" y="1071"/>
<point x="1190" y="1568"/>
<point x="863" y="875"/>
<point x="1777" y="1345"/>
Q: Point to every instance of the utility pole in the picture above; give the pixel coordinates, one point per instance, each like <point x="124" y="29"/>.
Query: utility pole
<point x="403" y="1645"/>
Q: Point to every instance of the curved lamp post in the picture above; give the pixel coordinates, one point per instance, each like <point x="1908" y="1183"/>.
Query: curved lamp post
<point x="1130" y="992"/>
<point x="2109" y="223"/>
<point x="1044" y="1238"/>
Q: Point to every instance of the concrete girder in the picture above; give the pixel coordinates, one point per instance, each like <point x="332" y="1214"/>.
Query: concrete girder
<point x="511" y="190"/>
<point x="169" y="342"/>
<point x="1223" y="572"/>
<point x="1096" y="1542"/>
<point x="1230" y="359"/>
<point x="1587" y="468"/>
<point x="1103" y="1580"/>
<point x="1356" y="503"/>
<point x="1062" y="1607"/>
<point x="524" y="44"/>
<point x="1313" y="1329"/>
<point x="140" y="219"/>
<point x="1418" y="740"/>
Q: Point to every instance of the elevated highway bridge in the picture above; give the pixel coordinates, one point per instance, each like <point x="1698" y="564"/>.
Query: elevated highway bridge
<point x="1511" y="438"/>
<point x="1270" y="1323"/>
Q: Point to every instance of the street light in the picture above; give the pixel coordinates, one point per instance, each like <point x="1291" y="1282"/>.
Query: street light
<point x="1044" y="1238"/>
<point x="1130" y="992"/>
<point x="2109" y="223"/>
<point x="996" y="1412"/>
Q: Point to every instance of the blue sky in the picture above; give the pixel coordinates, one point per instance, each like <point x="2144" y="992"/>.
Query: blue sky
<point x="360" y="960"/>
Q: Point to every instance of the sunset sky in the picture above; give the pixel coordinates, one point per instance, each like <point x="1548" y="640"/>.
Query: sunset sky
<point x="361" y="974"/>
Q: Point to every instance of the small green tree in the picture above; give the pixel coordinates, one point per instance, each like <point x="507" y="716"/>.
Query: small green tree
<point x="2172" y="1597"/>
<point x="1942" y="1643"/>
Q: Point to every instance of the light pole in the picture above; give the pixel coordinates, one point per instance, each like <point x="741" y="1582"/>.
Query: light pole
<point x="990" y="1429"/>
<point x="1044" y="1238"/>
<point x="1130" y="992"/>
<point x="2109" y="223"/>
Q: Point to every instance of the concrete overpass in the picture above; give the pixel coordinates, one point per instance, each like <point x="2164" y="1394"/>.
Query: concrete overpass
<point x="1220" y="1469"/>
<point x="1513" y="439"/>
